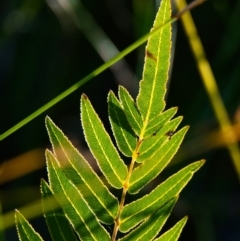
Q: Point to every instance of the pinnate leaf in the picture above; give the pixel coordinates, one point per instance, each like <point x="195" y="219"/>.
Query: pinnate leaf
<point x="74" y="165"/>
<point x="77" y="200"/>
<point x="101" y="145"/>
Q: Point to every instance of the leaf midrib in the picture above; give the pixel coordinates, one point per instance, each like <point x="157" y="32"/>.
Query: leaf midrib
<point x="154" y="80"/>
<point x="123" y="133"/>
<point x="102" y="149"/>
<point x="69" y="200"/>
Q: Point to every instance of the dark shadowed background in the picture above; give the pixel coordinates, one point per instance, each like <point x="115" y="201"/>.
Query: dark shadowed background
<point x="47" y="46"/>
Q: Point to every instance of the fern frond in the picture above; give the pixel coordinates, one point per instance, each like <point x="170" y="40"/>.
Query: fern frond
<point x="146" y="134"/>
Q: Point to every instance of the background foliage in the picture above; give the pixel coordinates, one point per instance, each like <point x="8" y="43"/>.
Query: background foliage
<point x="44" y="50"/>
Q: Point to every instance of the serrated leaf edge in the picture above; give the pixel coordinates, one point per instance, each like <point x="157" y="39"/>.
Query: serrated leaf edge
<point x="85" y="162"/>
<point x="119" y="179"/>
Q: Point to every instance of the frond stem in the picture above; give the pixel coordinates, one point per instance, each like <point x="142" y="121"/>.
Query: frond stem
<point x="124" y="192"/>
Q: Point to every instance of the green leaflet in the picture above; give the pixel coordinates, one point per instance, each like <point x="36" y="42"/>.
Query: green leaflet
<point x="135" y="212"/>
<point x="173" y="233"/>
<point x="158" y="121"/>
<point x="78" y="170"/>
<point x="101" y="145"/>
<point x="57" y="223"/>
<point x="25" y="230"/>
<point x="151" y="145"/>
<point x="130" y="109"/>
<point x="150" y="100"/>
<point x="152" y="226"/>
<point x="151" y="168"/>
<point x="75" y="207"/>
<point x="123" y="133"/>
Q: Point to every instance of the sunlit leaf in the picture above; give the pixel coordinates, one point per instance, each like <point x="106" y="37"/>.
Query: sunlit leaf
<point x="135" y="212"/>
<point x="150" y="100"/>
<point x="77" y="204"/>
<point x="25" y="230"/>
<point x="152" y="226"/>
<point x="158" y="121"/>
<point x="151" y="145"/>
<point x="57" y="223"/>
<point x="173" y="233"/>
<point x="123" y="133"/>
<point x="75" y="207"/>
<point x="130" y="110"/>
<point x="144" y="173"/>
<point x="101" y="145"/>
<point x="81" y="174"/>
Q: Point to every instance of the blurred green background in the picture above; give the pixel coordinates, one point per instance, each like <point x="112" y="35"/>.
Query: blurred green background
<point x="47" y="46"/>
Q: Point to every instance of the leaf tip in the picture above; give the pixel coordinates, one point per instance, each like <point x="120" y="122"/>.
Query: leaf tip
<point x="47" y="119"/>
<point x="199" y="165"/>
<point x="202" y="161"/>
<point x="110" y="95"/>
<point x="187" y="127"/>
<point x="48" y="123"/>
<point x="184" y="220"/>
<point x="84" y="96"/>
<point x="48" y="154"/>
<point x="17" y="216"/>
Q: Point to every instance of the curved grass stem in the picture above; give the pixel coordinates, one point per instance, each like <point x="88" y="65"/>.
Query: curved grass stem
<point x="210" y="85"/>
